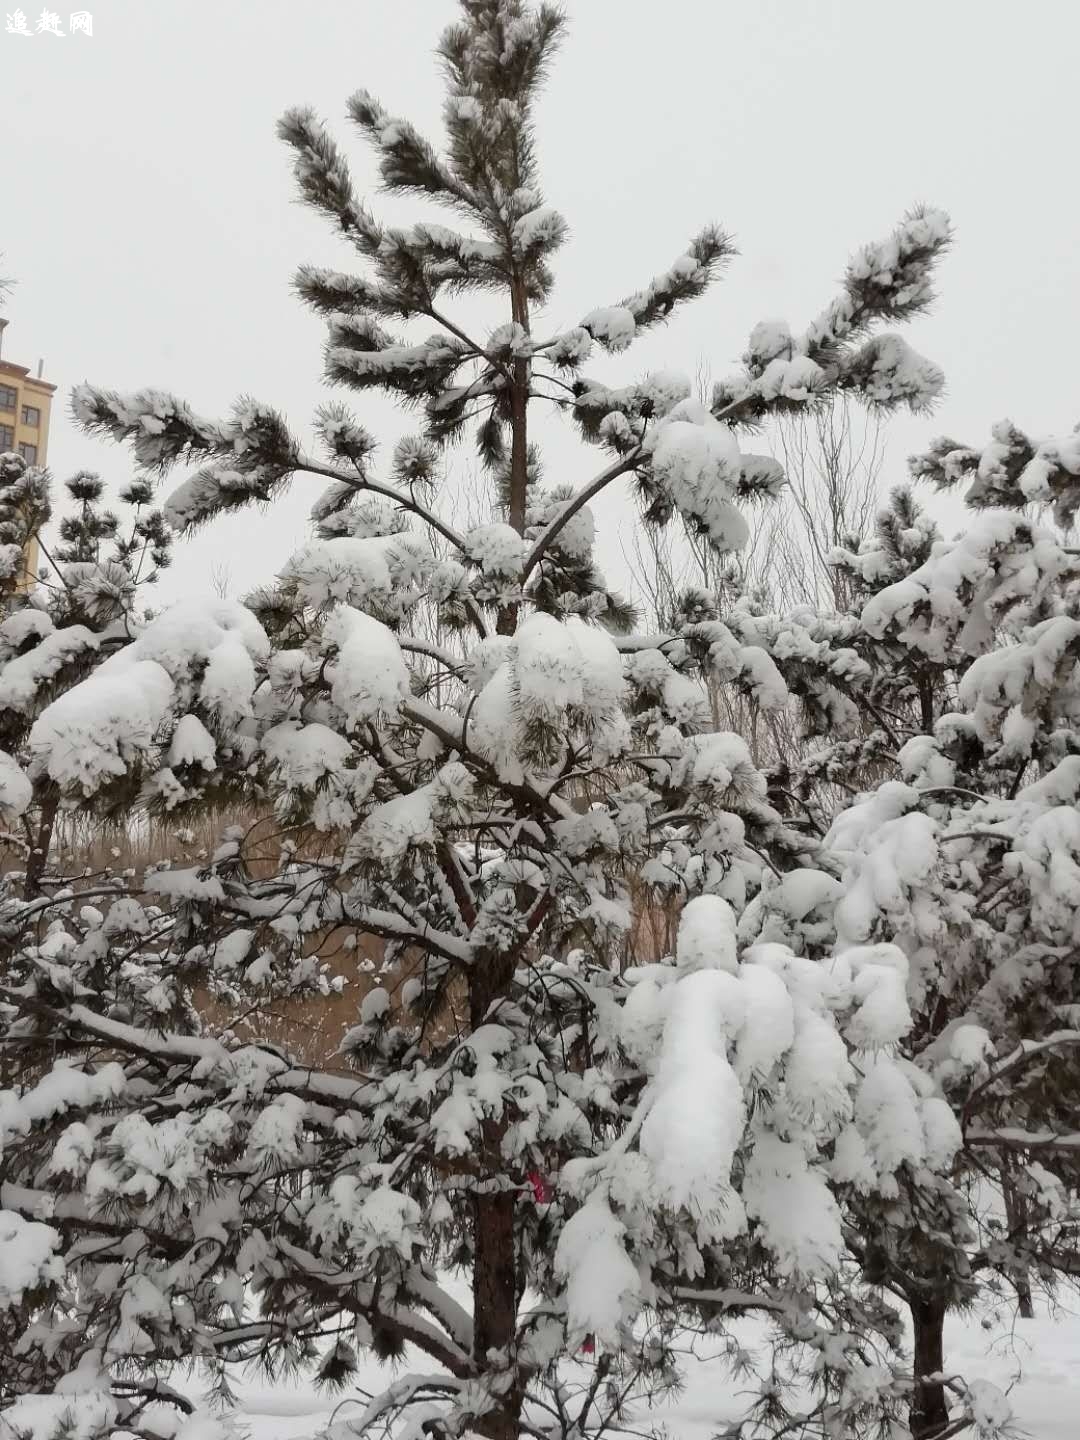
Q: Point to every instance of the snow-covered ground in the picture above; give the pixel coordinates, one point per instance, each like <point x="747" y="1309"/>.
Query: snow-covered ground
<point x="1037" y="1361"/>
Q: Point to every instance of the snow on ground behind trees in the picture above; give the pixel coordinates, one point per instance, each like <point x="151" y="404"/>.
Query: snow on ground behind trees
<point x="1034" y="1360"/>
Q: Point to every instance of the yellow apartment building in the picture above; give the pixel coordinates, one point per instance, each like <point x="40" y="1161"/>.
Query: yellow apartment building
<point x="25" y="406"/>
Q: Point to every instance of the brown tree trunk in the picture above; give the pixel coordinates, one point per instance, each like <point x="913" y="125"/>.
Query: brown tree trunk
<point x="519" y="442"/>
<point x="494" y="1296"/>
<point x="1016" y="1217"/>
<point x="38" y="858"/>
<point x="929" y="1413"/>
<point x="495" y="1260"/>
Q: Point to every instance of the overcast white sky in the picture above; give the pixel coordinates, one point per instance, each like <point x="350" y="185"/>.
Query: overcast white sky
<point x="149" y="214"/>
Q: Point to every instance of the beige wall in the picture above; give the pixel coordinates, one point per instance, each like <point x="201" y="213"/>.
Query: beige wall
<point x="37" y="394"/>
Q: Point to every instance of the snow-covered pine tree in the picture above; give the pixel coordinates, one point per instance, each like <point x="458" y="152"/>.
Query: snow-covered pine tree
<point x="58" y="627"/>
<point x="947" y="698"/>
<point x="606" y="1155"/>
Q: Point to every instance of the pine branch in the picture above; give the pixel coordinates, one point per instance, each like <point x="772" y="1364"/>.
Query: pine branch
<point x="364" y="483"/>
<point x="1024" y="1053"/>
<point x="572" y="506"/>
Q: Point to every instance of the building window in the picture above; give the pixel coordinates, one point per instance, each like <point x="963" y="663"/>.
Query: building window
<point x="28" y="453"/>
<point x="9" y="397"/>
<point x="7" y="438"/>
<point x="31" y="416"/>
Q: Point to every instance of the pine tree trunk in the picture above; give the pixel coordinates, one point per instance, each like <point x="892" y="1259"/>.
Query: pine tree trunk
<point x="494" y="1294"/>
<point x="495" y="1261"/>
<point x="519" y="446"/>
<point x="1016" y="1217"/>
<point x="38" y="858"/>
<point x="519" y="442"/>
<point x="929" y="1413"/>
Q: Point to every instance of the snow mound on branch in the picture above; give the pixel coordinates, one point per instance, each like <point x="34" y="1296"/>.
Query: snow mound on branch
<point x="542" y="227"/>
<point x="576" y="538"/>
<point x="603" y="1287"/>
<point x="697" y="460"/>
<point x="548" y="667"/>
<point x="192" y="744"/>
<point x="768" y="1028"/>
<point x="305" y="754"/>
<point x="800" y="1219"/>
<point x="880" y="985"/>
<point x="187" y="884"/>
<point x="970" y="1046"/>
<point x="603" y="677"/>
<point x="364" y="519"/>
<point x="769" y="340"/>
<point x="496" y="549"/>
<point x="923" y="765"/>
<point x="228" y="681"/>
<point x="26" y="1257"/>
<point x="680" y="696"/>
<point x="696" y="1122"/>
<point x="1052" y="455"/>
<point x="555" y="673"/>
<point x="795" y="378"/>
<point x="187" y="635"/>
<point x="565" y="665"/>
<point x="890" y="878"/>
<point x="961" y="594"/>
<point x="772" y="1015"/>
<point x="570" y="349"/>
<point x="346" y="568"/>
<point x="664" y="389"/>
<point x="720" y="762"/>
<point x="751" y="665"/>
<point x="84" y="1415"/>
<point x="16" y="791"/>
<point x="888" y="1117"/>
<point x="1048" y="857"/>
<point x="370" y="675"/>
<point x="641" y="1019"/>
<point x="197" y="650"/>
<point x="494" y="724"/>
<point x="21" y="626"/>
<point x="62" y="1088"/>
<point x="91" y="733"/>
<point x="73" y="1152"/>
<point x="990" y="1409"/>
<point x="706" y="939"/>
<point x="794" y="909"/>
<point x="277" y="1132"/>
<point x="613" y="325"/>
<point x="408" y="822"/>
<point x="818" y="1076"/>
<point x="486" y="658"/>
<point x="390" y="1220"/>
<point x="374" y="1219"/>
<point x="11" y="559"/>
<point x="24" y="675"/>
<point x="854" y="827"/>
<point x="887" y="371"/>
<point x="397" y="827"/>
<point x="941" y="1132"/>
<point x="800" y="891"/>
